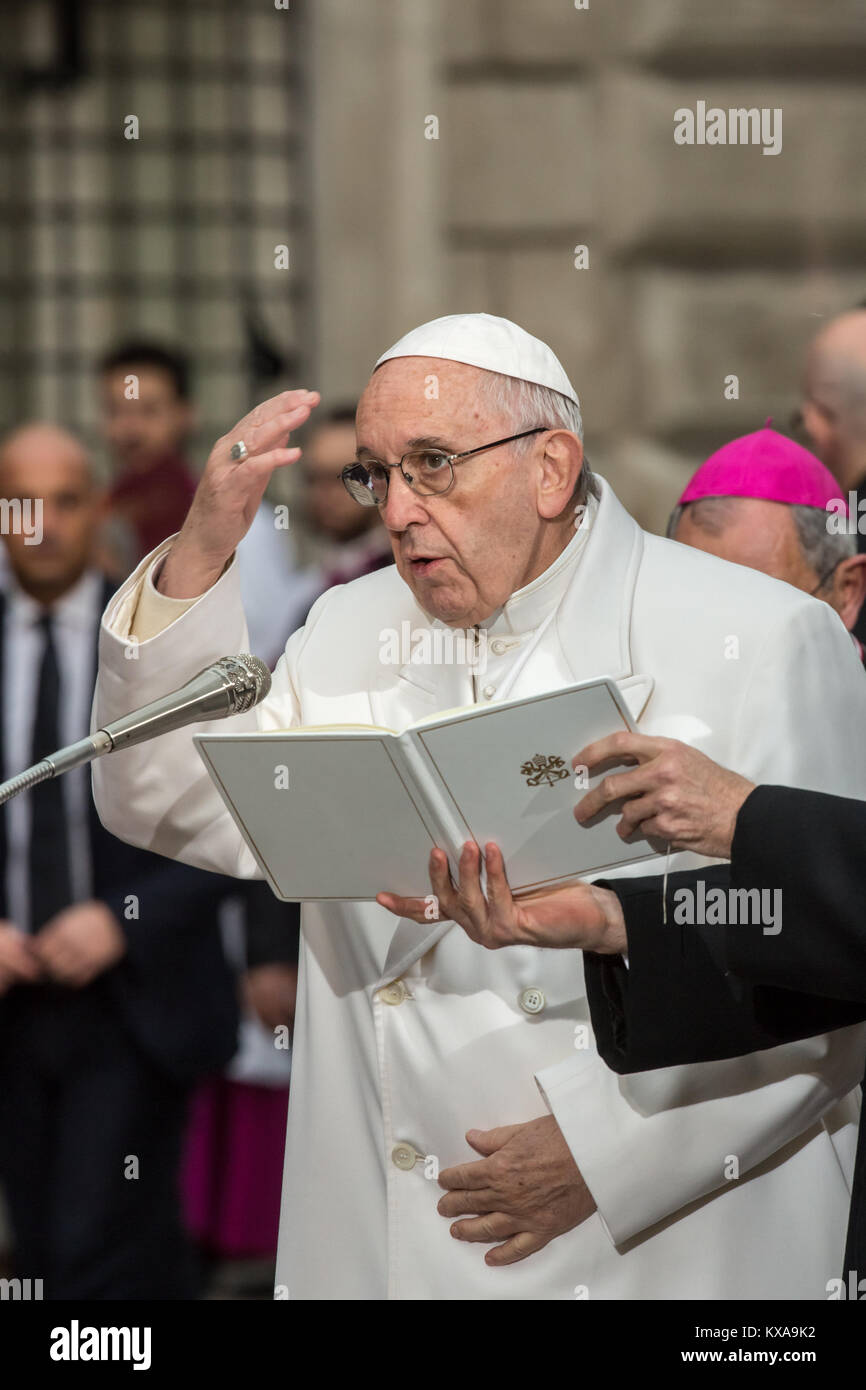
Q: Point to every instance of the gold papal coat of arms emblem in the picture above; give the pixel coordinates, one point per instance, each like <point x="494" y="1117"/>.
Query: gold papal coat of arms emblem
<point x="544" y="769"/>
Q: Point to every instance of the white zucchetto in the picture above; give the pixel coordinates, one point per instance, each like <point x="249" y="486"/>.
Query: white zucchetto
<point x="482" y="340"/>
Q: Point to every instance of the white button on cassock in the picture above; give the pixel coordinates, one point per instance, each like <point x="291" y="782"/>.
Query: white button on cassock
<point x="489" y="691"/>
<point x="394" y="993"/>
<point x="531" y="1001"/>
<point x="405" y="1156"/>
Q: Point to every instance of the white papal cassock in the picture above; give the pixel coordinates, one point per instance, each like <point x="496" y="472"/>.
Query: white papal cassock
<point x="407" y="1035"/>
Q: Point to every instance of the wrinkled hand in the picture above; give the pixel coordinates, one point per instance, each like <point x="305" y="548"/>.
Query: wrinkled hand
<point x="270" y="991"/>
<point x="524" y="1191"/>
<point x="80" y="943"/>
<point x="577" y="915"/>
<point x="675" y="794"/>
<point x="229" y="493"/>
<point x="19" y="963"/>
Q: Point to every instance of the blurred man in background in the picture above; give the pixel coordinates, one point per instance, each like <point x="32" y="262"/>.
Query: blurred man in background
<point x="350" y="540"/>
<point x="833" y="407"/>
<point x="147" y="419"/>
<point x="115" y="995"/>
<point x="833" y="412"/>
<point x="340" y="541"/>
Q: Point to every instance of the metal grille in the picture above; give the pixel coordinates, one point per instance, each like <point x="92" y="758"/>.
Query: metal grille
<point x="171" y="235"/>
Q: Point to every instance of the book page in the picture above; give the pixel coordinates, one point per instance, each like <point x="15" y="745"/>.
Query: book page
<point x="509" y="771"/>
<point x="327" y="816"/>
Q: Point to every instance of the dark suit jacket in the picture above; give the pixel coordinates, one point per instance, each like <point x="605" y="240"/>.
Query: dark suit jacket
<point x="704" y="992"/>
<point x="174" y="988"/>
<point x="699" y="993"/>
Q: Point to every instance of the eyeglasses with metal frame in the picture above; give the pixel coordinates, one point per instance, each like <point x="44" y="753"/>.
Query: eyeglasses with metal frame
<point x="429" y="472"/>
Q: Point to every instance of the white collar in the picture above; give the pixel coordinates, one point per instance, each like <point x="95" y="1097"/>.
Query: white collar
<point x="527" y="608"/>
<point x="75" y="607"/>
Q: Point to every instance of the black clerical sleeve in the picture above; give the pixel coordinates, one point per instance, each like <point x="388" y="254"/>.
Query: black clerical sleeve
<point x="677" y="1002"/>
<point x="673" y="1002"/>
<point x="813" y="847"/>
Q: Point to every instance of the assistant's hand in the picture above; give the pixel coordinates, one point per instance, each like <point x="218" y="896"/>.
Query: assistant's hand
<point x="80" y="943"/>
<point x="19" y="963"/>
<point x="270" y="991"/>
<point x="229" y="493"/>
<point x="577" y="915"/>
<point x="675" y="794"/>
<point x="525" y="1191"/>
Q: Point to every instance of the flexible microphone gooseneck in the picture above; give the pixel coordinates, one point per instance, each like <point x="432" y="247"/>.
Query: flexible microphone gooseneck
<point x="232" y="685"/>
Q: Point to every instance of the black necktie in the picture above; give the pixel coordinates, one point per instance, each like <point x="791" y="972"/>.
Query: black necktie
<point x="50" y="883"/>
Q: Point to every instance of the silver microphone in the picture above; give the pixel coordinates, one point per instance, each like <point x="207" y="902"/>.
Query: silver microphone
<point x="233" y="685"/>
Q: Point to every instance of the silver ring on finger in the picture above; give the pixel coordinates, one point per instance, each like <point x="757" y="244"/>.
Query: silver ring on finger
<point x="239" y="452"/>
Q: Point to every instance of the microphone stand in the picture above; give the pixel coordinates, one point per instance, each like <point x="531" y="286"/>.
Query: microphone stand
<point x="233" y="685"/>
<point x="73" y="756"/>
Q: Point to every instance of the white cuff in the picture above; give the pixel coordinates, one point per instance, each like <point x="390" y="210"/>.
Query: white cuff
<point x="143" y="612"/>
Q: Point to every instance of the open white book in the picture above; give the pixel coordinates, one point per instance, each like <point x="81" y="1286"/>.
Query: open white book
<point x="343" y="812"/>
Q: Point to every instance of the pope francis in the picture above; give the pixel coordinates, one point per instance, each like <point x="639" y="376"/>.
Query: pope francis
<point x="452" y="1131"/>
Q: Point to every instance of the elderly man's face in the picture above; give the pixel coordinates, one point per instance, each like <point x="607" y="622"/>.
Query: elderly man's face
<point x="763" y="536"/>
<point x="462" y="554"/>
<point x="757" y="533"/>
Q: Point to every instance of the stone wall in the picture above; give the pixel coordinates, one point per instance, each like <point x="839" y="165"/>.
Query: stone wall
<point x="305" y="122"/>
<point x="556" y="130"/>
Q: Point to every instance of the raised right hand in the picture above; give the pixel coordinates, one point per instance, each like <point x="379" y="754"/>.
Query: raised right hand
<point x="229" y="493"/>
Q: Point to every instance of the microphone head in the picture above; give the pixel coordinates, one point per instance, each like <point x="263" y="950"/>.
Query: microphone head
<point x="249" y="680"/>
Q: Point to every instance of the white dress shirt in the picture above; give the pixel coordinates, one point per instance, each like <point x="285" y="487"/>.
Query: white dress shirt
<point x="75" y="619"/>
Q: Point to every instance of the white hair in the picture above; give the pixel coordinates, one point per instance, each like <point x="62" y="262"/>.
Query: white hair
<point x="525" y="404"/>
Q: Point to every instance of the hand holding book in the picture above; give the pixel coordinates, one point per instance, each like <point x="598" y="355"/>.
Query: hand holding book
<point x="578" y="915"/>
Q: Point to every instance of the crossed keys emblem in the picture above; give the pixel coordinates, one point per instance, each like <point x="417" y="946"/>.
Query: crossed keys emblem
<point x="544" y="770"/>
